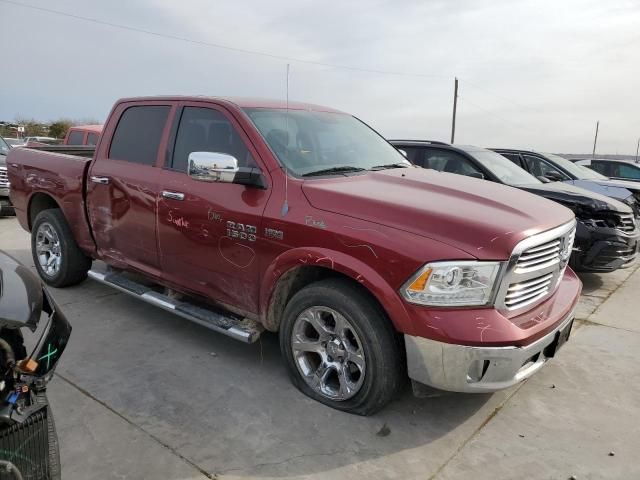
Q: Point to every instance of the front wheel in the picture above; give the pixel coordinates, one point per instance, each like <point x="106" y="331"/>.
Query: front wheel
<point x="340" y="348"/>
<point x="56" y="255"/>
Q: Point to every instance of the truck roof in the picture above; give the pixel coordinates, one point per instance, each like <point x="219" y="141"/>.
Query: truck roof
<point x="238" y="102"/>
<point x="89" y="128"/>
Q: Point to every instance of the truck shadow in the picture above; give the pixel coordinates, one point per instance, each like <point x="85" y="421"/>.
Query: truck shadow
<point x="591" y="282"/>
<point x="229" y="407"/>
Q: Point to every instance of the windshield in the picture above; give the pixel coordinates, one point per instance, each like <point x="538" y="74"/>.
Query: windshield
<point x="575" y="170"/>
<point x="306" y="141"/>
<point x="4" y="147"/>
<point x="503" y="168"/>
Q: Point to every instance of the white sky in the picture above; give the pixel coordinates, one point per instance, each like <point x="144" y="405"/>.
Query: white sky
<point x="533" y="74"/>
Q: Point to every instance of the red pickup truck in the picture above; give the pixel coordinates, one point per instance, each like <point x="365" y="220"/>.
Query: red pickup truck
<point x="251" y="215"/>
<point x="83" y="135"/>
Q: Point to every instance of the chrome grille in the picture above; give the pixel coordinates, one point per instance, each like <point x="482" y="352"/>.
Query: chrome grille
<point x="524" y="293"/>
<point x="539" y="257"/>
<point x="535" y="268"/>
<point x="4" y="179"/>
<point x="626" y="222"/>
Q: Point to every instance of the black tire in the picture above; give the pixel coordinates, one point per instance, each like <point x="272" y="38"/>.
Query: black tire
<point x="55" y="469"/>
<point x="74" y="264"/>
<point x="384" y="372"/>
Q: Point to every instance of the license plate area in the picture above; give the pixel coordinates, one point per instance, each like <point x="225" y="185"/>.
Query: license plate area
<point x="560" y="339"/>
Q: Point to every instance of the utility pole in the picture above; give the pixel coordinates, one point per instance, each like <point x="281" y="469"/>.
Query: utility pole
<point x="637" y="148"/>
<point x="595" y="140"/>
<point x="455" y="105"/>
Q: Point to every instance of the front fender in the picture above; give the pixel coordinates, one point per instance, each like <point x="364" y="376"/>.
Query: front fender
<point x="339" y="262"/>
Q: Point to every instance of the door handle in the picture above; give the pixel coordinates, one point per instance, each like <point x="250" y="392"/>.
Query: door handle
<point x="173" y="195"/>
<point x="100" y="180"/>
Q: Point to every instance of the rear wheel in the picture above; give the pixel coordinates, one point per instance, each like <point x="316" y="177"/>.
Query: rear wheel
<point x="340" y="348"/>
<point x="56" y="255"/>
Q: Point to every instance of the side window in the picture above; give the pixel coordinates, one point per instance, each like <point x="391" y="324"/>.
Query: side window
<point x="540" y="168"/>
<point x="600" y="168"/>
<point x="92" y="139"/>
<point x="447" y="161"/>
<point x="76" y="137"/>
<point x="207" y="130"/>
<point x="413" y="154"/>
<point x="137" y="136"/>
<point x="513" y="157"/>
<point x="628" y="171"/>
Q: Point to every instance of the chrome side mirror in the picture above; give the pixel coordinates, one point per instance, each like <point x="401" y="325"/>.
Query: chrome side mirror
<point x="213" y="167"/>
<point x="403" y="152"/>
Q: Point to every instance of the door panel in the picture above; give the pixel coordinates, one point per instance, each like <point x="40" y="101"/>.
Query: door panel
<point x="123" y="189"/>
<point x="209" y="240"/>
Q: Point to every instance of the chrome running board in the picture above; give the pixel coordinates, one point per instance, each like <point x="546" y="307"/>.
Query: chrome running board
<point x="241" y="329"/>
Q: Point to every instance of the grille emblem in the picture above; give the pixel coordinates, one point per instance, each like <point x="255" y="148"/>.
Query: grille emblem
<point x="566" y="244"/>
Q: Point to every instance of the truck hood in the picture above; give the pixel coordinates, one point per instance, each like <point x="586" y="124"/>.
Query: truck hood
<point x="573" y="196"/>
<point x="3" y="160"/>
<point x="481" y="218"/>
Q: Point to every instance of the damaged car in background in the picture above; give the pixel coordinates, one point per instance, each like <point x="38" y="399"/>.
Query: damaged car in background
<point x="554" y="168"/>
<point x="606" y="235"/>
<point x="33" y="336"/>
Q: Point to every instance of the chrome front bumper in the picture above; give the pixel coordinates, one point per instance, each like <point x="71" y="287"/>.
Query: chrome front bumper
<point x="460" y="368"/>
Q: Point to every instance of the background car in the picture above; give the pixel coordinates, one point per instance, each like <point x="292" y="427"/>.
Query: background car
<point x="558" y="169"/>
<point x="15" y="142"/>
<point x="35" y="141"/>
<point x="606" y="234"/>
<point x="6" y="208"/>
<point x="617" y="169"/>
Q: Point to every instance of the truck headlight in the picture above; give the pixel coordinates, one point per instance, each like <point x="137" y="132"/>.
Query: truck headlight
<point x="454" y="284"/>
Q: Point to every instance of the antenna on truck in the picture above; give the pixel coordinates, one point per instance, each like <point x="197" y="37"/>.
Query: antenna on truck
<point x="285" y="205"/>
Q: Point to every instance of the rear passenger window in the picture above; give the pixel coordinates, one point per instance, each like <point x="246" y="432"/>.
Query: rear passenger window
<point x="137" y="136"/>
<point x="207" y="130"/>
<point x="92" y="139"/>
<point x="76" y="137"/>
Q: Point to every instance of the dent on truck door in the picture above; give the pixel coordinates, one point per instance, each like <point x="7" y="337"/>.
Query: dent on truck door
<point x="208" y="232"/>
<point x="123" y="187"/>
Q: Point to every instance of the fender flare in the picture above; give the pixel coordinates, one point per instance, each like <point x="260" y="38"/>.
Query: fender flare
<point x="342" y="263"/>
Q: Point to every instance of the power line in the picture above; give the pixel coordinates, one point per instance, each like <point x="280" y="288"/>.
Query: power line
<point x="220" y="46"/>
<point x="504" y="120"/>
<point x="482" y="89"/>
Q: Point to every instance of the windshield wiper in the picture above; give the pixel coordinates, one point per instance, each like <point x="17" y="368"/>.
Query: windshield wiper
<point x="326" y="171"/>
<point x="391" y="165"/>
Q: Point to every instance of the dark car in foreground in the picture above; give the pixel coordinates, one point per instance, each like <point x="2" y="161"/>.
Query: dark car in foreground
<point x="558" y="169"/>
<point x="606" y="235"/>
<point x="33" y="335"/>
<point x="617" y="169"/>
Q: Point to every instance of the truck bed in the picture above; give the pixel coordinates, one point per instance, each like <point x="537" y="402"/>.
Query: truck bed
<point x="52" y="173"/>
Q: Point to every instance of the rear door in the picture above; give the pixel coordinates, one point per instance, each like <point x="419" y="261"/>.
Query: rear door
<point x="123" y="185"/>
<point x="208" y="232"/>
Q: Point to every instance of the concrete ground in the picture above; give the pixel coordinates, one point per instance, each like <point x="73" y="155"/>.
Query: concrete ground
<point x="142" y="394"/>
